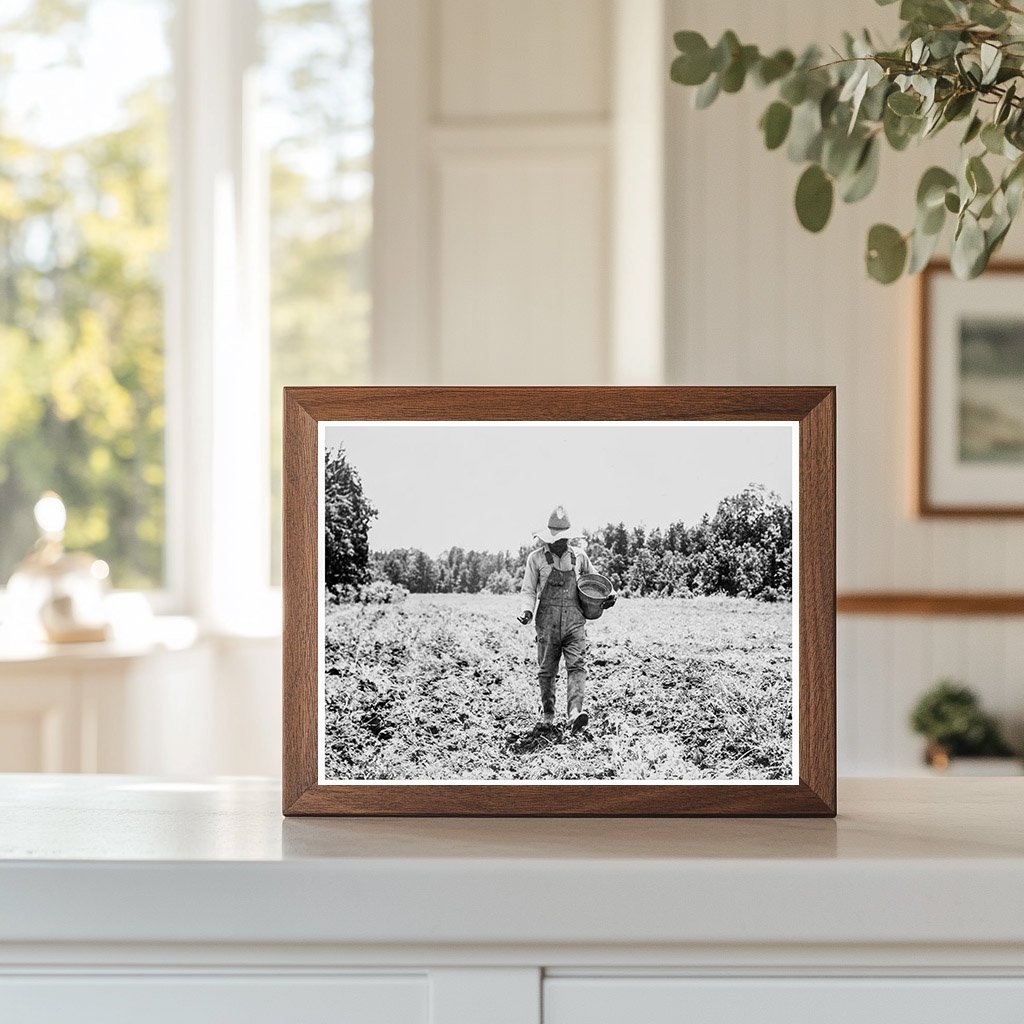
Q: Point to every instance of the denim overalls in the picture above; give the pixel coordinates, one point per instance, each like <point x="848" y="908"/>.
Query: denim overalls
<point x="561" y="632"/>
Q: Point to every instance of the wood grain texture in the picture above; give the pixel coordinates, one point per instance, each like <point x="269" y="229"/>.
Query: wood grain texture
<point x="817" y="598"/>
<point x="923" y="503"/>
<point x="299" y="596"/>
<point x="812" y="407"/>
<point x="924" y="603"/>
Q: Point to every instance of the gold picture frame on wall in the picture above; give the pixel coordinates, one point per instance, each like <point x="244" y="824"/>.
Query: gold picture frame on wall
<point x="970" y="393"/>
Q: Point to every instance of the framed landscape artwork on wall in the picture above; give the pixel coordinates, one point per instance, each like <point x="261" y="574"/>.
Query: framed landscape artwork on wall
<point x="970" y="445"/>
<point x="559" y="601"/>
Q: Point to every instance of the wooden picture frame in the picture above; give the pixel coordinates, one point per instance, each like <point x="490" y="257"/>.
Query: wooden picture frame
<point x="812" y="411"/>
<point x="930" y="377"/>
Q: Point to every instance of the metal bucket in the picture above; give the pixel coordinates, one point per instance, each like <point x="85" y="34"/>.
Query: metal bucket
<point x="593" y="588"/>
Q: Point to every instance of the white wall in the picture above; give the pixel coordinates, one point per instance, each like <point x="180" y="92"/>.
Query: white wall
<point x="754" y="299"/>
<point x="505" y="132"/>
<point x="508" y="252"/>
<point x="521" y="152"/>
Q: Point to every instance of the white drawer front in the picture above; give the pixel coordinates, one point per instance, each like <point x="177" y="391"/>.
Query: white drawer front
<point x="202" y="999"/>
<point x="782" y="1001"/>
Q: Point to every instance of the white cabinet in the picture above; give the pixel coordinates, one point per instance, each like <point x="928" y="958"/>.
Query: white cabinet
<point x="99" y="707"/>
<point x="829" y="1000"/>
<point x="133" y="899"/>
<point x="202" y="999"/>
<point x="176" y="704"/>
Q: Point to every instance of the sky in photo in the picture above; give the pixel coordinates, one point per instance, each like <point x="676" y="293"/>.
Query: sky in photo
<point x="488" y="486"/>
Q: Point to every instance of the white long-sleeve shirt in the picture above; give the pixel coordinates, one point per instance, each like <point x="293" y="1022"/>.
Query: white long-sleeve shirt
<point x="538" y="570"/>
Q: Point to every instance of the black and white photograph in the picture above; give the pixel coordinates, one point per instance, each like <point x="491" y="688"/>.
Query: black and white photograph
<point x="552" y="602"/>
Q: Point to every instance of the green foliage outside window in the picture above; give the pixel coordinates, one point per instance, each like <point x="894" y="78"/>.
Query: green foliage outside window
<point x="318" y="110"/>
<point x="83" y="228"/>
<point x="83" y="241"/>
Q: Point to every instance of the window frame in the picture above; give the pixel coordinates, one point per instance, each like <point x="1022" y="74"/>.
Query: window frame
<point x="216" y="328"/>
<point x="216" y="298"/>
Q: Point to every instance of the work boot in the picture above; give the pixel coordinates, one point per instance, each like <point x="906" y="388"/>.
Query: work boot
<point x="578" y="718"/>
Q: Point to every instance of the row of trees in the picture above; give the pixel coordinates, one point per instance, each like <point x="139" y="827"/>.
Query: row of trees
<point x="744" y="550"/>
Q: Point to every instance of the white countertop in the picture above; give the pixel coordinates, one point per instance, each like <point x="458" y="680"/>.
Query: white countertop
<point x="123" y="859"/>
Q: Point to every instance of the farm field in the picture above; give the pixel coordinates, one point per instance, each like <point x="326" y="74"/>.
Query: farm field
<point x="443" y="686"/>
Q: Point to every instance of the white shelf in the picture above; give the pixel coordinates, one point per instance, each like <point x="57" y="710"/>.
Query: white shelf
<point x="124" y="860"/>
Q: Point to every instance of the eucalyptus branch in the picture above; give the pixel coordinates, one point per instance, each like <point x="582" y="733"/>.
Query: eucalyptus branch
<point x="953" y="58"/>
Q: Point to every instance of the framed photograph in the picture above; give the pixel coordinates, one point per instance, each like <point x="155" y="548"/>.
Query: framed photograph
<point x="559" y="601"/>
<point x="970" y="445"/>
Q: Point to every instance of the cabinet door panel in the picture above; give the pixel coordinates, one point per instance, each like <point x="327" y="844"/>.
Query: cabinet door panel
<point x="782" y="1001"/>
<point x="201" y="999"/>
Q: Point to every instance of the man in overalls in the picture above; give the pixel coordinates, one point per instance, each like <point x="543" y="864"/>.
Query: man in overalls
<point x="549" y="587"/>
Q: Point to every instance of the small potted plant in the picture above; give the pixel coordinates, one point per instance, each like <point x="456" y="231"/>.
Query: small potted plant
<point x="950" y="718"/>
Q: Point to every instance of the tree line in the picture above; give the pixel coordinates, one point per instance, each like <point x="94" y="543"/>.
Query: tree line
<point x="744" y="550"/>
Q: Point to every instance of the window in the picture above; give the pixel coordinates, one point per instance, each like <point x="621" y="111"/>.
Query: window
<point x="83" y="237"/>
<point x="317" y="117"/>
<point x="185" y="222"/>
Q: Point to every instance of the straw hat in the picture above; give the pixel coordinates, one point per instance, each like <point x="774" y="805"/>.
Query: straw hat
<point x="557" y="528"/>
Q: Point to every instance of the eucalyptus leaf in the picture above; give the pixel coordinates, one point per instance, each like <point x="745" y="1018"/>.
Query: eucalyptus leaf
<point x="968" y="247"/>
<point x="865" y="173"/>
<point x="900" y="130"/>
<point x="840" y="152"/>
<point x="814" y="195"/>
<point x="735" y="74"/>
<point x="978" y="176"/>
<point x="771" y="69"/>
<point x="724" y="51"/>
<point x="931" y="190"/>
<point x="987" y="15"/>
<point x="922" y="247"/>
<point x="856" y="89"/>
<point x="929" y="12"/>
<point x="690" y="68"/>
<point x="933" y="122"/>
<point x="904" y="103"/>
<point x="993" y="138"/>
<point x="794" y="88"/>
<point x="827" y="106"/>
<point x="973" y="130"/>
<point x="707" y="93"/>
<point x="805" y="133"/>
<point x="1005" y="105"/>
<point x="991" y="60"/>
<point x="944" y="44"/>
<point x="873" y="106"/>
<point x="689" y="42"/>
<point x="1013" y="186"/>
<point x="958" y="105"/>
<point x="1014" y="192"/>
<point x="886" y="253"/>
<point x="995" y="233"/>
<point x="775" y="124"/>
<point x="932" y="220"/>
<point x="925" y="87"/>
